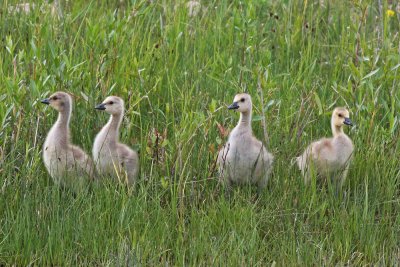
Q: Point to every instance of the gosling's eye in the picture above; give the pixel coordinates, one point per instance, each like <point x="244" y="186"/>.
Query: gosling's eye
<point x="242" y="100"/>
<point x="340" y="115"/>
<point x="54" y="98"/>
<point x="111" y="102"/>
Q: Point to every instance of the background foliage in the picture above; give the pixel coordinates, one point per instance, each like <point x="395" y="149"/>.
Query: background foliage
<point x="177" y="72"/>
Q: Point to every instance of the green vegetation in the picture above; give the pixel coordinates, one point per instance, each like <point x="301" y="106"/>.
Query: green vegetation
<point x="177" y="73"/>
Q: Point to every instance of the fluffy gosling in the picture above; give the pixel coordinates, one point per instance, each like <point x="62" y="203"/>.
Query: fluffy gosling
<point x="111" y="157"/>
<point x="64" y="161"/>
<point x="244" y="159"/>
<point x="328" y="156"/>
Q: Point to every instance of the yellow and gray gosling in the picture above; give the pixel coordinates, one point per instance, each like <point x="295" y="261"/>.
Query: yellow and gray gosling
<point x="244" y="159"/>
<point x="62" y="159"/>
<point x="111" y="157"/>
<point x="328" y="156"/>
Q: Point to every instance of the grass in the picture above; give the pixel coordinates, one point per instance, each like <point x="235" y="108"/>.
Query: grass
<point x="177" y="74"/>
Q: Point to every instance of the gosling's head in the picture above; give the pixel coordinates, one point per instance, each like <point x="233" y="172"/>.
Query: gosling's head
<point x="241" y="103"/>
<point x="340" y="117"/>
<point x="60" y="101"/>
<point x="113" y="105"/>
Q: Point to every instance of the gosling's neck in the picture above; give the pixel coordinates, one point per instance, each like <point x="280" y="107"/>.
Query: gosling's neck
<point x="112" y="127"/>
<point x="337" y="130"/>
<point x="62" y="124"/>
<point x="245" y="120"/>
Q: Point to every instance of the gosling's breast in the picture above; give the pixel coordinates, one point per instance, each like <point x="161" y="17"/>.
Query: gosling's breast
<point x="344" y="148"/>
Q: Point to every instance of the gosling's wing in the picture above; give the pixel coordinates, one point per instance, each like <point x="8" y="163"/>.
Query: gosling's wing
<point x="259" y="152"/>
<point x="129" y="161"/>
<point x="324" y="152"/>
<point x="304" y="159"/>
<point x="82" y="160"/>
<point x="125" y="153"/>
<point x="263" y="165"/>
<point x="222" y="154"/>
<point x="316" y="153"/>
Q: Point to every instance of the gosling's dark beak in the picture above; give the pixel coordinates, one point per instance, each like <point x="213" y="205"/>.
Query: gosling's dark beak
<point x="234" y="106"/>
<point x="100" y="107"/>
<point x="45" y="101"/>
<point x="347" y="121"/>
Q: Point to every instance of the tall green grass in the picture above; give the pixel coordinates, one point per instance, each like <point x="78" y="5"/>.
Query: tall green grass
<point x="177" y="74"/>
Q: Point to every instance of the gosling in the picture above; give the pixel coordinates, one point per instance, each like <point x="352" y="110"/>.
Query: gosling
<point x="64" y="161"/>
<point x="244" y="159"/>
<point x="111" y="157"/>
<point x="329" y="156"/>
